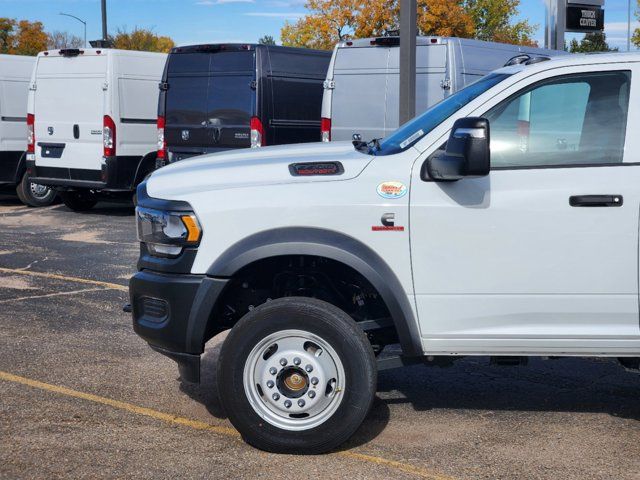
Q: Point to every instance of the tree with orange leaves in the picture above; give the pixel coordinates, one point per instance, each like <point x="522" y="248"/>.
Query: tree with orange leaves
<point x="330" y="21"/>
<point x="22" y="37"/>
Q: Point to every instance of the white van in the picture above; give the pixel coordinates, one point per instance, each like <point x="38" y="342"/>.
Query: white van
<point x="362" y="89"/>
<point x="92" y="121"/>
<point x="15" y="71"/>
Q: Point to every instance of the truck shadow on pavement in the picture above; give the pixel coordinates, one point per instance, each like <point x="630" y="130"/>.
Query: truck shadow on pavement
<point x="562" y="385"/>
<point x="207" y="394"/>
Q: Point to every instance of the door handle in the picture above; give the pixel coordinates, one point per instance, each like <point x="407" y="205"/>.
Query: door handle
<point x="596" y="201"/>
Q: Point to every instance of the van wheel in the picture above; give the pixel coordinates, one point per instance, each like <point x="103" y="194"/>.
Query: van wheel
<point x="78" y="201"/>
<point x="296" y="375"/>
<point x="34" y="194"/>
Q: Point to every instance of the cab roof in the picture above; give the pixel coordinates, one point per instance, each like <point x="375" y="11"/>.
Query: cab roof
<point x="573" y="60"/>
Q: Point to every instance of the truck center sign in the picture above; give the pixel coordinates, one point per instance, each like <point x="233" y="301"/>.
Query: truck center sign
<point x="584" y="18"/>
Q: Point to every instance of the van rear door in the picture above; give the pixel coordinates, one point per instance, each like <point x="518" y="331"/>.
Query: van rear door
<point x="69" y="108"/>
<point x="431" y="69"/>
<point x="358" y="100"/>
<point x="209" y="101"/>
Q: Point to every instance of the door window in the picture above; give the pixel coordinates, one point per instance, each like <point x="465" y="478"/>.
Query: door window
<point x="571" y="120"/>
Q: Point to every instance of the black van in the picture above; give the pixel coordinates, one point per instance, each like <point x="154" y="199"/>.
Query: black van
<point x="217" y="97"/>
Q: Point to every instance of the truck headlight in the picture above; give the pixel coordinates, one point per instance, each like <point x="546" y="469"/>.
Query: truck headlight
<point x="167" y="233"/>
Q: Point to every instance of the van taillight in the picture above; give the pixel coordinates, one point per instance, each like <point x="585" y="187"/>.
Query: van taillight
<point x="162" y="144"/>
<point x="109" y="136"/>
<point x="257" y="133"/>
<point x="325" y="129"/>
<point x="31" y="134"/>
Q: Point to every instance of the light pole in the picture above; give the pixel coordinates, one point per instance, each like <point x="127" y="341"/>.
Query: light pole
<point x="408" y="33"/>
<point x="629" y="27"/>
<point x="83" y="23"/>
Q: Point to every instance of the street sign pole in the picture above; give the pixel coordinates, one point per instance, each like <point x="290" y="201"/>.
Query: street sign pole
<point x="555" y="26"/>
<point x="408" y="34"/>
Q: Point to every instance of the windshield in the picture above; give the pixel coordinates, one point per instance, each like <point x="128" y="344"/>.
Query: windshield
<point x="412" y="131"/>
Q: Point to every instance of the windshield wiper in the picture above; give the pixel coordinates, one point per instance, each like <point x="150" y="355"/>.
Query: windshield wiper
<point x="369" y="147"/>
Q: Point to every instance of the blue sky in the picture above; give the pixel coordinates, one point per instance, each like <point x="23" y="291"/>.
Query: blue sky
<point x="204" y="21"/>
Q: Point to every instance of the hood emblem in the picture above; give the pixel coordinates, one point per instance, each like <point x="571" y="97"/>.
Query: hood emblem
<point x="185" y="135"/>
<point x="50" y="130"/>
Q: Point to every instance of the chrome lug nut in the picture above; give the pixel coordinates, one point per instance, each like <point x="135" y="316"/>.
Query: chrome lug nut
<point x="301" y="403"/>
<point x="270" y="384"/>
<point x="314" y="381"/>
<point x="283" y="361"/>
<point x="276" y="396"/>
<point x="287" y="403"/>
<point x="273" y="370"/>
<point x="296" y="361"/>
<point x="312" y="394"/>
<point x="309" y="368"/>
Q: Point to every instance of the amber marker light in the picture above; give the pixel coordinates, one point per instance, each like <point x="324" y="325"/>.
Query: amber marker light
<point x="193" y="229"/>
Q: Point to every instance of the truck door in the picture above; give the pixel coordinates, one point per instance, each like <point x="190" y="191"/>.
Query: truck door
<point x="541" y="255"/>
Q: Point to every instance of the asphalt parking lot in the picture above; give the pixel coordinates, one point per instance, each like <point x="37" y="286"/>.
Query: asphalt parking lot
<point x="81" y="396"/>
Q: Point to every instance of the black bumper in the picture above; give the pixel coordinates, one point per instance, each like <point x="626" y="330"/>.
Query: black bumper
<point x="172" y="313"/>
<point x="117" y="174"/>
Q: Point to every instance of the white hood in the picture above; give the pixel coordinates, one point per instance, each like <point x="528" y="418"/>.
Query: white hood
<point x="251" y="167"/>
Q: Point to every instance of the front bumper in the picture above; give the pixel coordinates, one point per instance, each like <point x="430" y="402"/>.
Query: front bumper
<point x="172" y="312"/>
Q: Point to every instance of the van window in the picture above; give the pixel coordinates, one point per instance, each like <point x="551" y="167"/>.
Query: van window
<point x="229" y="100"/>
<point x="226" y="62"/>
<point x="570" y="120"/>
<point x="185" y="63"/>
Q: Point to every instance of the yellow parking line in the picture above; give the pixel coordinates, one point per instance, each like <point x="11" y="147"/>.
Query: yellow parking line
<point x="55" y="276"/>
<point x="198" y="425"/>
<point x="129" y="407"/>
<point x="56" y="294"/>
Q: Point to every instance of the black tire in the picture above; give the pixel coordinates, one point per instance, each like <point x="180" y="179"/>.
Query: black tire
<point x="78" y="201"/>
<point x="334" y="327"/>
<point x="34" y="195"/>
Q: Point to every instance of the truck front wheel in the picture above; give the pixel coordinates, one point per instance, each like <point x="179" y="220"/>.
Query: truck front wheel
<point x="79" y="201"/>
<point x="34" y="194"/>
<point x="296" y="375"/>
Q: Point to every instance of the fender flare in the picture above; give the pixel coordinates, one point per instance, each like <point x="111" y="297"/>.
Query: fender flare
<point x="335" y="246"/>
<point x="142" y="171"/>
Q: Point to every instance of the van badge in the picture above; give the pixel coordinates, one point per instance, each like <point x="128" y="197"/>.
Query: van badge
<point x="185" y="135"/>
<point x="388" y="221"/>
<point x="392" y="190"/>
<point x="50" y="130"/>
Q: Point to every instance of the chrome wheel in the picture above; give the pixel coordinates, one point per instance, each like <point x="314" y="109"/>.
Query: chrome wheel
<point x="294" y="380"/>
<point x="39" y="191"/>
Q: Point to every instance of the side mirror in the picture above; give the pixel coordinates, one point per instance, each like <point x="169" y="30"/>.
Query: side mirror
<point x="467" y="153"/>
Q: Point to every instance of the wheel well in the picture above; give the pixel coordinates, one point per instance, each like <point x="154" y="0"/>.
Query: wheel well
<point x="146" y="166"/>
<point x="303" y="276"/>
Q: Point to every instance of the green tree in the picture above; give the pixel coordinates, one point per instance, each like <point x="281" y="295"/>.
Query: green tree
<point x="493" y="21"/>
<point x="592" y="42"/>
<point x="635" y="39"/>
<point x="141" y="39"/>
<point x="266" y="40"/>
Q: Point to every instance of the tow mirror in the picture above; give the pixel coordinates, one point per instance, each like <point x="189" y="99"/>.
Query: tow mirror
<point x="467" y="153"/>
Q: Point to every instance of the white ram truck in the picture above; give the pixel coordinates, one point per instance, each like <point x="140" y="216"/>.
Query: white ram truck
<point x="502" y="222"/>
